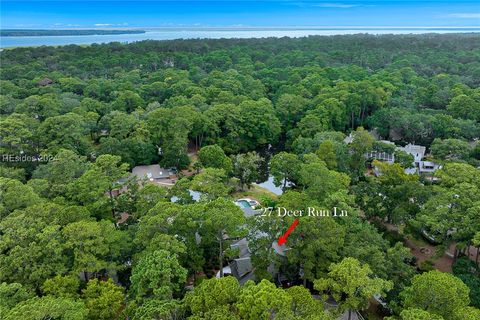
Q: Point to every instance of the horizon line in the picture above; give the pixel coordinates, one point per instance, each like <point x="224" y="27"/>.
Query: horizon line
<point x="238" y="27"/>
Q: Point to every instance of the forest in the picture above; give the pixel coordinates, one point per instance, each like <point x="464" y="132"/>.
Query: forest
<point x="83" y="238"/>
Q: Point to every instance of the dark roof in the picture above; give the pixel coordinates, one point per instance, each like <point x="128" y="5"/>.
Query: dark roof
<point x="241" y="266"/>
<point x="45" y="82"/>
<point x="242" y="245"/>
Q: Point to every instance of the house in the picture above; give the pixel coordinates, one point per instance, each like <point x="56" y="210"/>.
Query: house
<point x="242" y="246"/>
<point x="428" y="167"/>
<point x="280" y="250"/>
<point x="240" y="267"/>
<point x="153" y="173"/>
<point x="420" y="166"/>
<point x="348" y="139"/>
<point x="45" y="82"/>
<point x="381" y="156"/>
<point x="121" y="186"/>
<point x="384" y="156"/>
<point x="418" y="152"/>
<point x="194" y="194"/>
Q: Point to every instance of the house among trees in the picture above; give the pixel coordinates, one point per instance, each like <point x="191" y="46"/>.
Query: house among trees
<point x="45" y="82"/>
<point x="428" y="167"/>
<point x="416" y="151"/>
<point x="240" y="267"/>
<point x="383" y="155"/>
<point x="154" y="173"/>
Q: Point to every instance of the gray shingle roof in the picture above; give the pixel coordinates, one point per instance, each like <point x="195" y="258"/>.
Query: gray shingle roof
<point x="151" y="172"/>
<point x="241" y="267"/>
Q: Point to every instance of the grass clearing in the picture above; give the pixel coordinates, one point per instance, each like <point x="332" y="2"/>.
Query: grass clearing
<point x="255" y="192"/>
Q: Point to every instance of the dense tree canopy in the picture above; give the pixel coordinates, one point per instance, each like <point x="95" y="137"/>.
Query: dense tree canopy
<point x="82" y="238"/>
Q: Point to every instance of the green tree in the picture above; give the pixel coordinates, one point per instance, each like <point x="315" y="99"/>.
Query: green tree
<point x="438" y="293"/>
<point x="157" y="309"/>
<point x="457" y="173"/>
<point x="451" y="149"/>
<point x="453" y="206"/>
<point x="463" y="106"/>
<point x="65" y="168"/>
<point x="118" y="124"/>
<point x="95" y="245"/>
<point x="222" y="217"/>
<point x="260" y="126"/>
<point x="10" y="295"/>
<point x="17" y="132"/>
<point x="157" y="275"/>
<point x="32" y="245"/>
<point x="40" y="106"/>
<point x="15" y="195"/>
<point x="89" y="191"/>
<point x="466" y="270"/>
<point x="211" y="294"/>
<point x="103" y="299"/>
<point x="64" y="132"/>
<point x="148" y="196"/>
<point x="311" y="124"/>
<point x="304" y="306"/>
<point x="392" y="174"/>
<point x="212" y="183"/>
<point x="404" y="159"/>
<point x="326" y="153"/>
<point x="114" y="170"/>
<point x="169" y="129"/>
<point x="245" y="168"/>
<point x="318" y="243"/>
<point x="468" y="313"/>
<point x="362" y="142"/>
<point x="263" y="301"/>
<point x="318" y="181"/>
<point x="62" y="286"/>
<point x="12" y="173"/>
<point x="48" y="307"/>
<point x="364" y="243"/>
<point x="418" y="314"/>
<point x="334" y="110"/>
<point x="290" y="108"/>
<point x="351" y="284"/>
<point x="284" y="168"/>
<point x="128" y="101"/>
<point x="214" y="156"/>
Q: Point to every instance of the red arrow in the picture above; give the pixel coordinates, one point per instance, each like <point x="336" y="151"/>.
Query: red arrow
<point x="283" y="239"/>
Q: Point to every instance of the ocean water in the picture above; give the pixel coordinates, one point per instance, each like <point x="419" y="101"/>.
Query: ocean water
<point x="170" y="34"/>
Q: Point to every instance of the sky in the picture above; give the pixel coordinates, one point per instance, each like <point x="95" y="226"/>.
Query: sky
<point x="274" y="13"/>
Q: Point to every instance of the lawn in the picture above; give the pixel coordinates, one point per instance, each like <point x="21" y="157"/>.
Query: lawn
<point x="255" y="192"/>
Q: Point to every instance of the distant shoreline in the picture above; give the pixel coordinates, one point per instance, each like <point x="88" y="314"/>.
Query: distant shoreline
<point x="174" y="33"/>
<point x="69" y="32"/>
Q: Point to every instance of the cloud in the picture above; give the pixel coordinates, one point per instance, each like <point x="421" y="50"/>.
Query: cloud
<point x="103" y="24"/>
<point x="464" y="15"/>
<point x="336" y="5"/>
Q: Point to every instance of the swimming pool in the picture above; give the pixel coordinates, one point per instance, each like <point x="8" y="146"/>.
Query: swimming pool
<point x="242" y="204"/>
